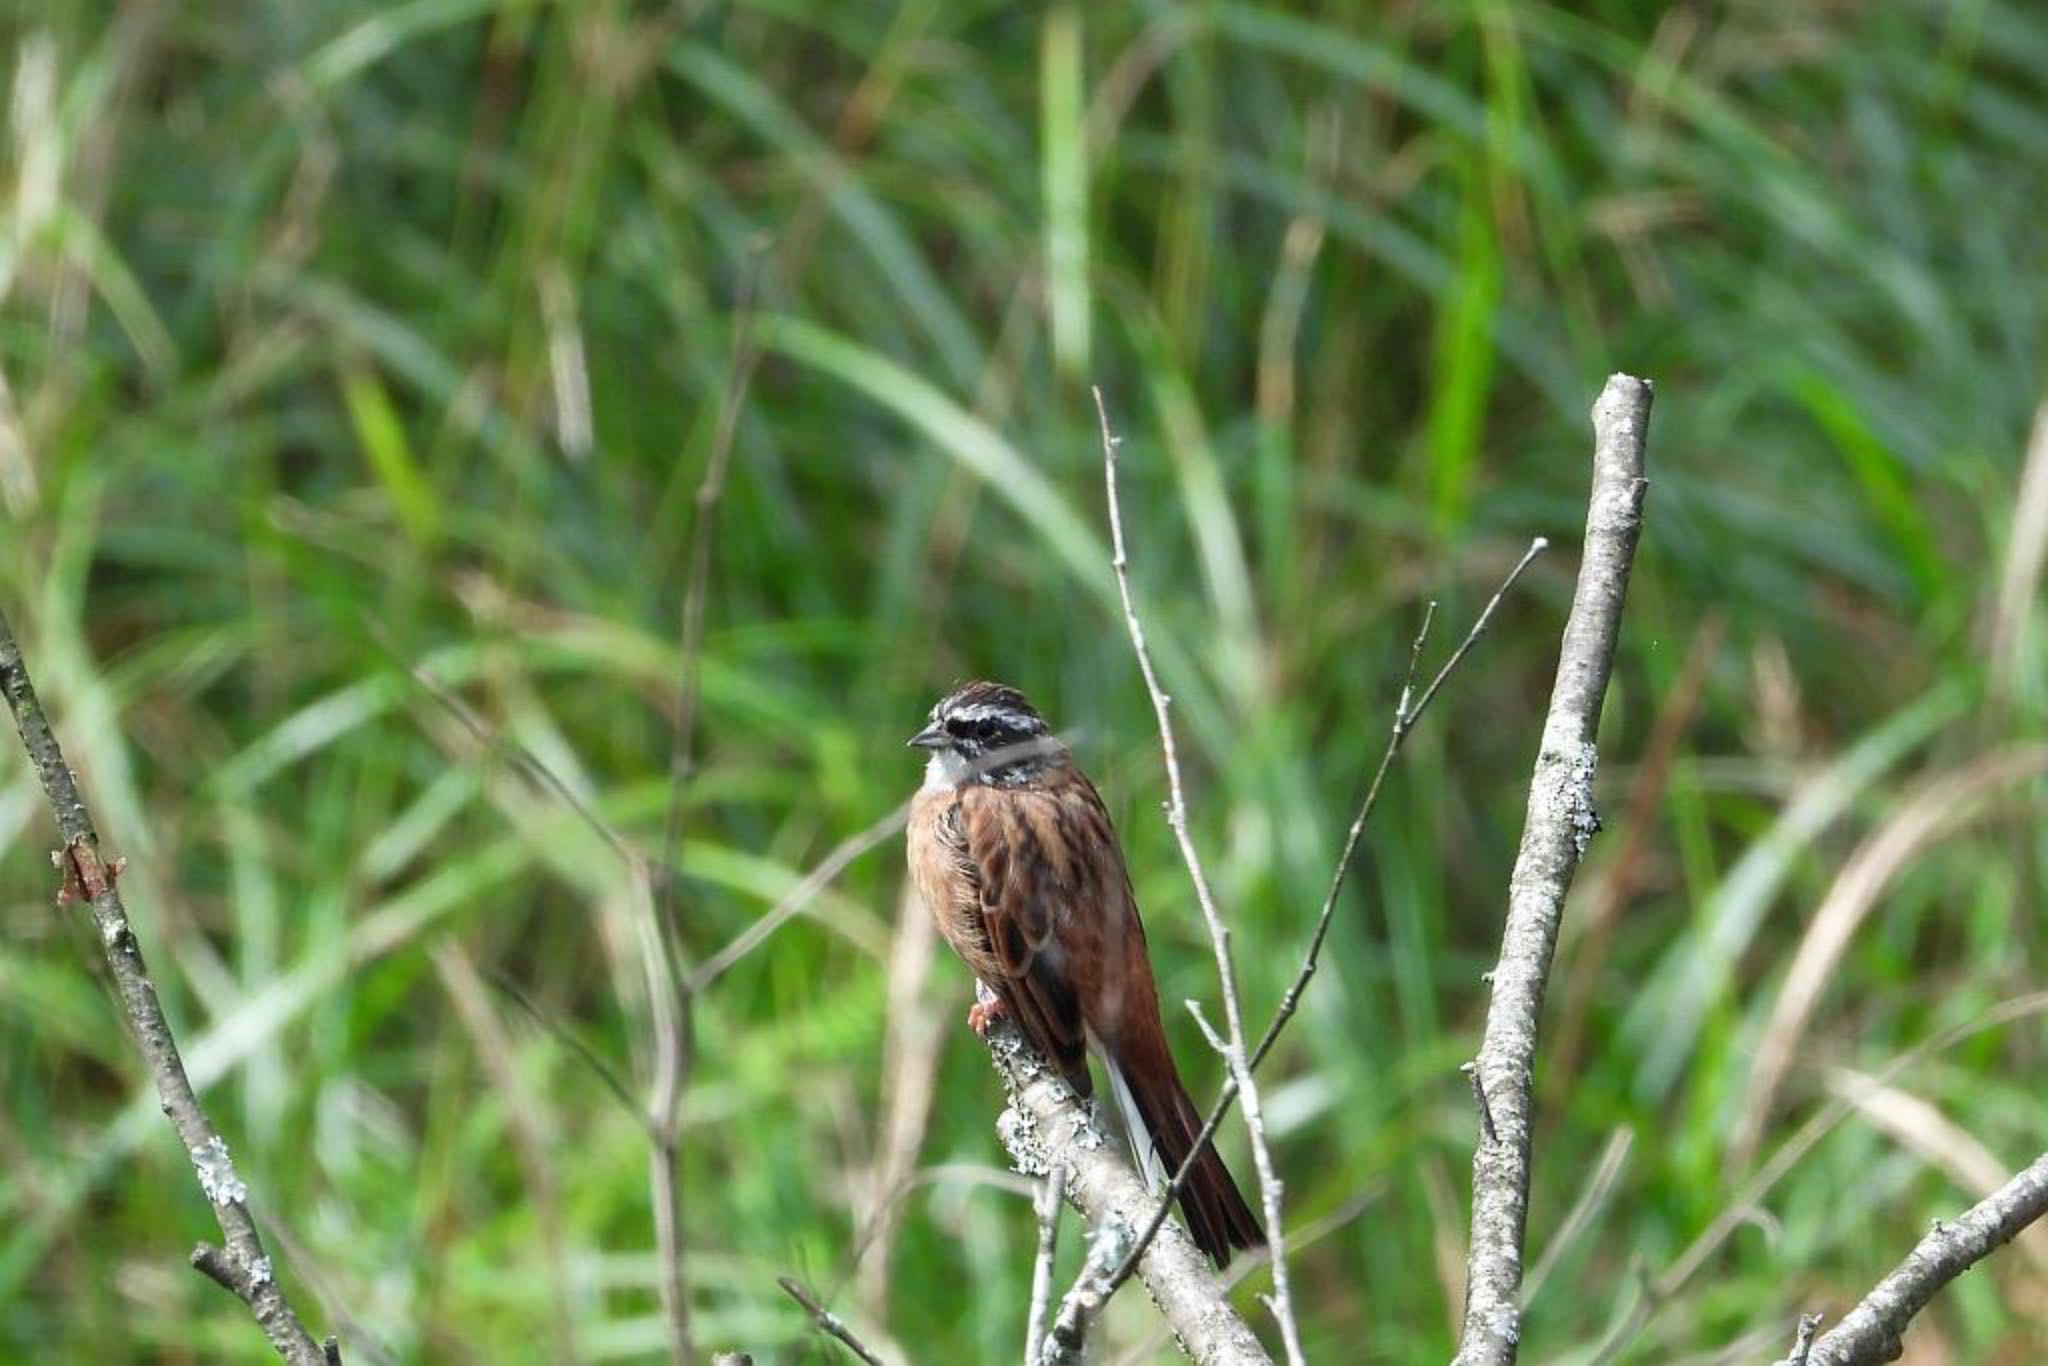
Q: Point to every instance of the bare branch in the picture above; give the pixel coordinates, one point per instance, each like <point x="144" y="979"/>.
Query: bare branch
<point x="1405" y="719"/>
<point x="667" y="994"/>
<point x="1873" y="1329"/>
<point x="674" y="1043"/>
<point x="600" y="1066"/>
<point x="501" y="747"/>
<point x="1236" y="1055"/>
<point x="242" y="1266"/>
<point x="746" y="355"/>
<point x="1047" y="1128"/>
<point x="828" y="1322"/>
<point x="1561" y="820"/>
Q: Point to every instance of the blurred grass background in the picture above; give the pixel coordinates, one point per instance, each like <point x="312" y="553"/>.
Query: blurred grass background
<point x="342" y="341"/>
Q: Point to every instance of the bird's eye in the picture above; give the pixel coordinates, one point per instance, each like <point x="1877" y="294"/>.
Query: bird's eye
<point x="985" y="728"/>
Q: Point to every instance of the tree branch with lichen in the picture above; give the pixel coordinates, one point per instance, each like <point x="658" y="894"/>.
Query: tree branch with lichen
<point x="1561" y="819"/>
<point x="1047" y="1128"/>
<point x="241" y="1266"/>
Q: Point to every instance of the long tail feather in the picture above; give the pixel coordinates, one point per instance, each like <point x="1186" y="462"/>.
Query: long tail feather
<point x="1162" y="1123"/>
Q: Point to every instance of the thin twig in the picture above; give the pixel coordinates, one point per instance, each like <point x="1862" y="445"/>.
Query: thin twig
<point x="241" y="1266"/>
<point x="675" y="1045"/>
<point x="1046" y="1205"/>
<point x="828" y="1322"/>
<point x="600" y="1066"/>
<point x="667" y="1002"/>
<point x="500" y="746"/>
<point x="1872" y="1330"/>
<point x="682" y="762"/>
<point x="797" y="897"/>
<point x="668" y="1008"/>
<point x="1561" y="820"/>
<point x="1236" y="1055"/>
<point x="1802" y="1342"/>
<point x="1583" y="1211"/>
<point x="1405" y="719"/>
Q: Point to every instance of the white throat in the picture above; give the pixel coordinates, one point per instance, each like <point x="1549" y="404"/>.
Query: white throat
<point x="945" y="772"/>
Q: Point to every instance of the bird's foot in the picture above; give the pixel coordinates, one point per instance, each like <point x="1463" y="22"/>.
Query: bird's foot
<point x="982" y="1014"/>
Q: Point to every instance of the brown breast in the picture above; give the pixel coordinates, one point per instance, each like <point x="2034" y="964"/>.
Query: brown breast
<point x="945" y="879"/>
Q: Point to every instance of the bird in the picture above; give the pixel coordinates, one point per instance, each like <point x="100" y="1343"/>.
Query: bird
<point x="1015" y="857"/>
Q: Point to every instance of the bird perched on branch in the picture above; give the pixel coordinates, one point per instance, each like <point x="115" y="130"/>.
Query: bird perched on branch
<point x="1015" y="857"/>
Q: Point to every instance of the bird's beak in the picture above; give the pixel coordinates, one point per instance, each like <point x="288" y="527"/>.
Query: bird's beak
<point x="931" y="737"/>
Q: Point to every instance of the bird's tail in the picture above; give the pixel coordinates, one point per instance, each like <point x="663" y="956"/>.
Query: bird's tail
<point x="1162" y="1123"/>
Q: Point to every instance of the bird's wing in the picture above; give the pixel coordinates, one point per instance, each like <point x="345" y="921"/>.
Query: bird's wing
<point x="1027" y="885"/>
<point x="1062" y="931"/>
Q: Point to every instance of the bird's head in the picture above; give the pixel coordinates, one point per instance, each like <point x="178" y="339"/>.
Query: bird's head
<point x="987" y="732"/>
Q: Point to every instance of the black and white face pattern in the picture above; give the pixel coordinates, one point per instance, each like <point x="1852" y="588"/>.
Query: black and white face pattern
<point x="987" y="733"/>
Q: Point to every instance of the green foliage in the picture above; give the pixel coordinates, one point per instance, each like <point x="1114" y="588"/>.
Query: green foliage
<point x="347" y="346"/>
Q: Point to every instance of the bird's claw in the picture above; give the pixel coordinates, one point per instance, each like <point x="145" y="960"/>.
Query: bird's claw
<point x="982" y="1014"/>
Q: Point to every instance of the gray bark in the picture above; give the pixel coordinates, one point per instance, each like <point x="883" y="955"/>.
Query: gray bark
<point x="1873" y="1330"/>
<point x="1561" y="820"/>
